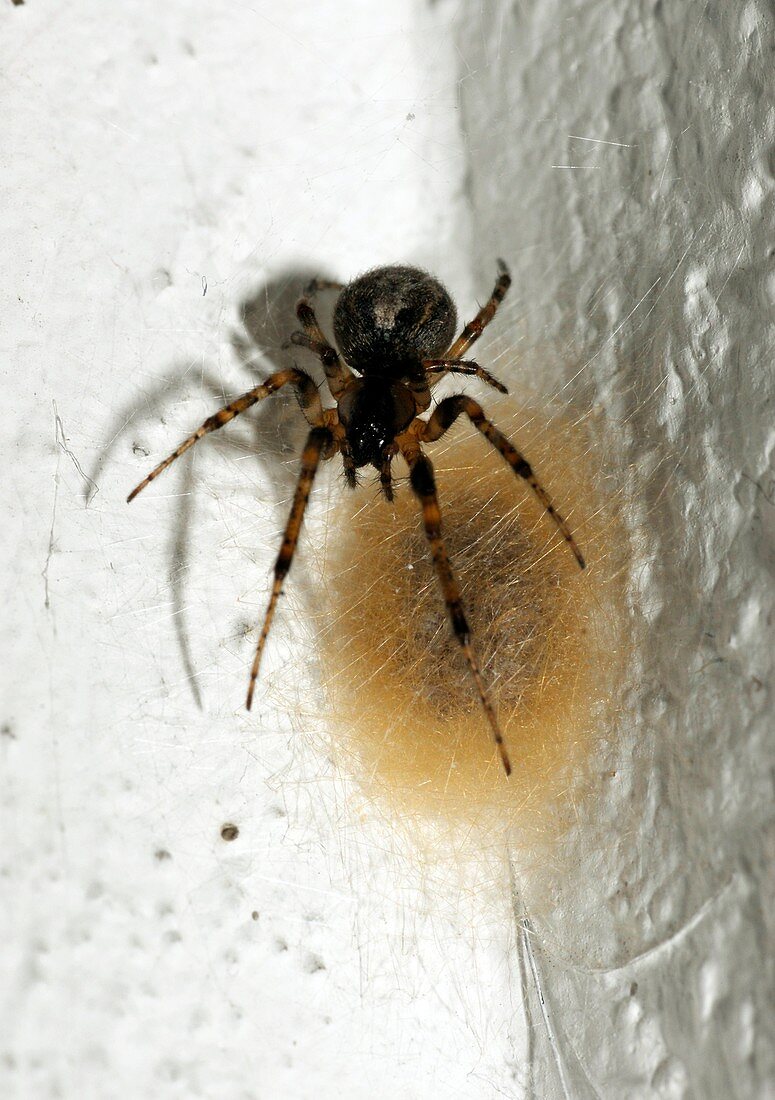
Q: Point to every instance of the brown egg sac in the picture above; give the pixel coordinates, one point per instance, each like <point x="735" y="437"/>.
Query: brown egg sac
<point x="401" y="705"/>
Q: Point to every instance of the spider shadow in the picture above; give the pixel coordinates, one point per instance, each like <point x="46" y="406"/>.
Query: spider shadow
<point x="277" y="427"/>
<point x="268" y="316"/>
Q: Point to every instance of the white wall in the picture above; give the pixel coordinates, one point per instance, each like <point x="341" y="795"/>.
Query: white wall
<point x="170" y="176"/>
<point x="622" y="157"/>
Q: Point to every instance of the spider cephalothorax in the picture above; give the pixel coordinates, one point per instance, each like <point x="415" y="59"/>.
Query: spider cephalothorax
<point x="373" y="412"/>
<point x="394" y="327"/>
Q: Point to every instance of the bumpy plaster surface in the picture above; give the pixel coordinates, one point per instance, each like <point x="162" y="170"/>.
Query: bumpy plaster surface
<point x="622" y="156"/>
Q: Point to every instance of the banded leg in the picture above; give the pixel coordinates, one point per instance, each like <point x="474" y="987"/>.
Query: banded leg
<point x="315" y="285"/>
<point x="475" y="328"/>
<point x="463" y="366"/>
<point x="348" y="464"/>
<point x="340" y="445"/>
<point x="419" y="384"/>
<point x="424" y="485"/>
<point x="445" y="415"/>
<point x="317" y="441"/>
<point x="309" y="398"/>
<point x="385" y="477"/>
<point x="337" y="374"/>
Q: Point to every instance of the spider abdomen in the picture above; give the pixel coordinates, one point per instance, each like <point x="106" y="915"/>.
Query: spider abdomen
<point x="389" y="320"/>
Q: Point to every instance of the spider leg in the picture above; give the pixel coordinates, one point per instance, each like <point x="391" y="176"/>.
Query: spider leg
<point x="349" y="467"/>
<point x="315" y="285"/>
<point x="475" y="328"/>
<point x="337" y="374"/>
<point x="339" y="444"/>
<point x="444" y="416"/>
<point x="463" y="366"/>
<point x="317" y="441"/>
<point x="424" y="485"/>
<point x="309" y="399"/>
<point x="385" y="477"/>
<point x="417" y="381"/>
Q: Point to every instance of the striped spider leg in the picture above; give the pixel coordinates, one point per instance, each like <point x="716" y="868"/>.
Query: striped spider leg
<point x="321" y="441"/>
<point x="444" y="416"/>
<point x="423" y="482"/>
<point x="453" y="362"/>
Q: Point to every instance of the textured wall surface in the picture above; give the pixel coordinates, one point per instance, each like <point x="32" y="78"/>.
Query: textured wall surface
<point x="622" y="156"/>
<point x="171" y="177"/>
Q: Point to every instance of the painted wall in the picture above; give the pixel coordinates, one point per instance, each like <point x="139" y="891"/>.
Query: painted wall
<point x="621" y="155"/>
<point x="171" y="177"/>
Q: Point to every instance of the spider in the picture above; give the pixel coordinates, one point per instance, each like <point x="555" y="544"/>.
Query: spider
<point x="394" y="327"/>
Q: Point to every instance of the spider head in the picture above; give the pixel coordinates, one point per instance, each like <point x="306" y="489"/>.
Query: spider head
<point x="373" y="413"/>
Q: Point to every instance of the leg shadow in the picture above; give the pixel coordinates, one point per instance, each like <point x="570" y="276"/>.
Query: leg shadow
<point x="262" y="345"/>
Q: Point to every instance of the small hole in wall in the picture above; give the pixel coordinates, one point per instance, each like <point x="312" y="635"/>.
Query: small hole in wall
<point x="229" y="831"/>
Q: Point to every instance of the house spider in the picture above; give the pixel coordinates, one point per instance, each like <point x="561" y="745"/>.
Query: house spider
<point x="394" y="327"/>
